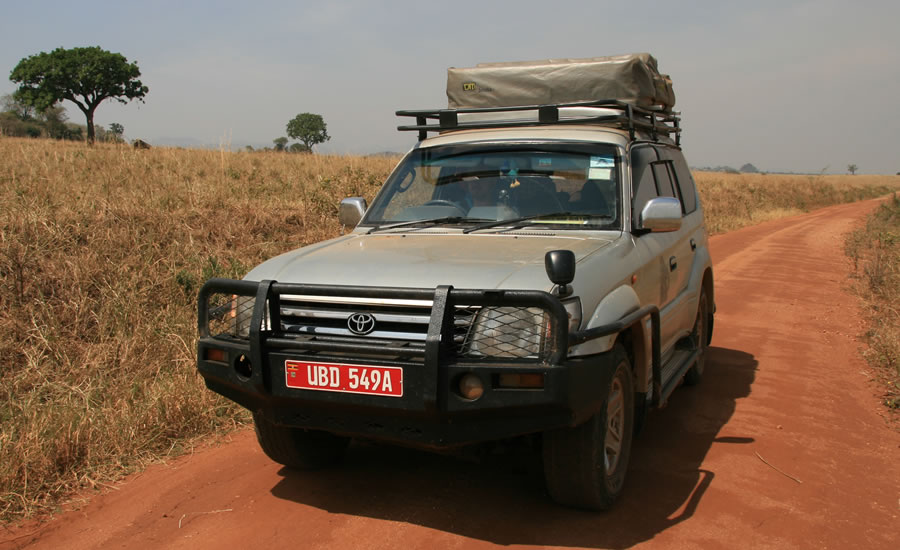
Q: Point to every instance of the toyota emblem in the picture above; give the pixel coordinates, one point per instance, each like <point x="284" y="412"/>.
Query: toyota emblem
<point x="361" y="323"/>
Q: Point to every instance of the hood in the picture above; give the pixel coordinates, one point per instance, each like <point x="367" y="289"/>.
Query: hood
<point x="424" y="260"/>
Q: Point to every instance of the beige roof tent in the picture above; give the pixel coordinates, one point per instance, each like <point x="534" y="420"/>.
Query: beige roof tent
<point x="631" y="78"/>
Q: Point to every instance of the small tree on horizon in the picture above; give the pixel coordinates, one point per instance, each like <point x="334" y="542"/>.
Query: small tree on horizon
<point x="280" y="143"/>
<point x="85" y="76"/>
<point x="309" y="128"/>
<point x="117" y="131"/>
<point x="852" y="168"/>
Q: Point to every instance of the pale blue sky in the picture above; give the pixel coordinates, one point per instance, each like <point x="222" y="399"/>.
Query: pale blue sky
<point x="785" y="85"/>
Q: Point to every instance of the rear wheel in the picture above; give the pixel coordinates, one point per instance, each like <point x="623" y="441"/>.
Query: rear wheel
<point x="699" y="341"/>
<point x="585" y="466"/>
<point x="298" y="448"/>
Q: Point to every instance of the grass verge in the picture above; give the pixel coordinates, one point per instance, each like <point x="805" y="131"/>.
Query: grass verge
<point x="875" y="252"/>
<point x="103" y="250"/>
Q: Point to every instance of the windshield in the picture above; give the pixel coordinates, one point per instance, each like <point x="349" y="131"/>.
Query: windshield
<point x="566" y="185"/>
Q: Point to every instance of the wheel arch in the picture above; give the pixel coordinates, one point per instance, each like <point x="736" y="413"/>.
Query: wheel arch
<point x="636" y="340"/>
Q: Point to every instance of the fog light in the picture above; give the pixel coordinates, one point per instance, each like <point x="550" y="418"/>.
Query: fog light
<point x="527" y="381"/>
<point x="470" y="387"/>
<point x="213" y="354"/>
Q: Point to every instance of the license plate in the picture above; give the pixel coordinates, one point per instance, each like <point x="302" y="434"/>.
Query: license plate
<point x="344" y="378"/>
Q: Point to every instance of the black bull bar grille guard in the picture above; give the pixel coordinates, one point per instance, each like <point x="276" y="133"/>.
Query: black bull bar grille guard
<point x="265" y="327"/>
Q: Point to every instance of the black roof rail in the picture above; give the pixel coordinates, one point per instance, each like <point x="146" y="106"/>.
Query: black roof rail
<point x="628" y="117"/>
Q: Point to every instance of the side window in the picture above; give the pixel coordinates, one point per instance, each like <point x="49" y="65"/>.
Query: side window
<point x="642" y="180"/>
<point x="684" y="182"/>
<point x="662" y="173"/>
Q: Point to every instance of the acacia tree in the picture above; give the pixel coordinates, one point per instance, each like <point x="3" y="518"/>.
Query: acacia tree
<point x="309" y="129"/>
<point x="84" y="76"/>
<point x="852" y="168"/>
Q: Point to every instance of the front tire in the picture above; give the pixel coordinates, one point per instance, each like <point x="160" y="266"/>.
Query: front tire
<point x="585" y="466"/>
<point x="699" y="341"/>
<point x="298" y="448"/>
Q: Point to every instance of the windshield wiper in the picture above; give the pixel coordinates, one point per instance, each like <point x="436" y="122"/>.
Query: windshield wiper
<point x="430" y="221"/>
<point x="527" y="220"/>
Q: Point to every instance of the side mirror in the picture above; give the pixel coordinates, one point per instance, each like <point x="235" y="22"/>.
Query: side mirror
<point x="351" y="211"/>
<point x="661" y="214"/>
<point x="560" y="266"/>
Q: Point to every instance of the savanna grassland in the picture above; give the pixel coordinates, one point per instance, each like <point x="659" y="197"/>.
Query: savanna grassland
<point x="103" y="250"/>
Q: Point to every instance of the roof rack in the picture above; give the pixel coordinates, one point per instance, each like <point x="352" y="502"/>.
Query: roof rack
<point x="628" y="117"/>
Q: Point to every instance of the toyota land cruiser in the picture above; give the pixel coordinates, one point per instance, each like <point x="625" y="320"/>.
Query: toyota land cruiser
<point x="531" y="270"/>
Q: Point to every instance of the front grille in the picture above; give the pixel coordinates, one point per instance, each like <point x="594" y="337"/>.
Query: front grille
<point x="405" y="320"/>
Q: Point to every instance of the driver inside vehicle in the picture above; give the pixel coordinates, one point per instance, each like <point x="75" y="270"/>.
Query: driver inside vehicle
<point x="480" y="191"/>
<point x="471" y="192"/>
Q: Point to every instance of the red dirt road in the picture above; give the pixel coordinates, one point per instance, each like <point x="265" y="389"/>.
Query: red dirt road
<point x="784" y="382"/>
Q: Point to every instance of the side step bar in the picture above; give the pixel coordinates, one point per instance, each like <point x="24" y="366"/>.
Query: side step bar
<point x="677" y="374"/>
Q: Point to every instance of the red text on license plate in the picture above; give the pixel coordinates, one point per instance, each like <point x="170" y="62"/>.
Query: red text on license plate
<point x="344" y="378"/>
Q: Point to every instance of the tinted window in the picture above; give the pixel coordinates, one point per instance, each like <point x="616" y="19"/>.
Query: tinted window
<point x="684" y="181"/>
<point x="662" y="173"/>
<point x="643" y="182"/>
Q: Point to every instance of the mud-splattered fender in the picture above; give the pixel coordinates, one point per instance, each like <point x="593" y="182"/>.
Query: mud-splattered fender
<point x="615" y="305"/>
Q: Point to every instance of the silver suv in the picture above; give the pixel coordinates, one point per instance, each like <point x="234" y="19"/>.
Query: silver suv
<point x="537" y="272"/>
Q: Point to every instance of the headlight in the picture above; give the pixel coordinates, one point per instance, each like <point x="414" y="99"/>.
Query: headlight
<point x="242" y="313"/>
<point x="508" y="332"/>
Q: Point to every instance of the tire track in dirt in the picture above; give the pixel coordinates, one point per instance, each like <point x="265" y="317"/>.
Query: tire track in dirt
<point x="784" y="384"/>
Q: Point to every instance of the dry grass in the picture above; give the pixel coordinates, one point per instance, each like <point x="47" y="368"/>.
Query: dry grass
<point x="875" y="251"/>
<point x="102" y="251"/>
<point x="732" y="201"/>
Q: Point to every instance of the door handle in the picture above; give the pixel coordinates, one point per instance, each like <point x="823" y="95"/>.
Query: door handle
<point x="672" y="263"/>
<point x="693" y="244"/>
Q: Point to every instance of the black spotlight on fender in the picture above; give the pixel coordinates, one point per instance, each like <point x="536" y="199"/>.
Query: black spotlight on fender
<point x="560" y="266"/>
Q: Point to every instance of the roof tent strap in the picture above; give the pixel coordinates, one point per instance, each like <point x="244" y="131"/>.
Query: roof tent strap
<point x="630" y="121"/>
<point x="548" y="114"/>
<point x="448" y="119"/>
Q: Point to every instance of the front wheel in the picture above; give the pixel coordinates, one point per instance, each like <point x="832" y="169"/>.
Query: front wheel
<point x="298" y="448"/>
<point x="699" y="341"/>
<point x="585" y="466"/>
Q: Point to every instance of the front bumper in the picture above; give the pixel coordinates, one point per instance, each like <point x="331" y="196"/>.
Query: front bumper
<point x="431" y="412"/>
